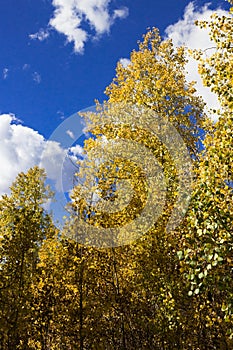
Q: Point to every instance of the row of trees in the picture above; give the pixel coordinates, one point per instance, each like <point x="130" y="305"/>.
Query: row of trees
<point x="168" y="289"/>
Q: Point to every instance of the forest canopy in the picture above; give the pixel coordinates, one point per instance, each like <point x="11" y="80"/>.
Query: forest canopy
<point x="144" y="276"/>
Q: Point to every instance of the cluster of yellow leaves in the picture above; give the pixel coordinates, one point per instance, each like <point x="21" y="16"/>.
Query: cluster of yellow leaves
<point x="155" y="78"/>
<point x="56" y="293"/>
<point x="208" y="235"/>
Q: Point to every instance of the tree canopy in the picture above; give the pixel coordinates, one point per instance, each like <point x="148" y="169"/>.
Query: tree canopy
<point x="145" y="258"/>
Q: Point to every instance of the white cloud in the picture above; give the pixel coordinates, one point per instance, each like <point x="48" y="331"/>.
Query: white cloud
<point x="26" y="66"/>
<point x="22" y="148"/>
<point x="185" y="32"/>
<point x="121" y="13"/>
<point x="76" y="151"/>
<point x="61" y="114"/>
<point x="68" y="168"/>
<point x="124" y="62"/>
<point x="41" y="35"/>
<point x="70" y="134"/>
<point x="52" y="158"/>
<point x="36" y="77"/>
<point x="5" y="73"/>
<point x="70" y="14"/>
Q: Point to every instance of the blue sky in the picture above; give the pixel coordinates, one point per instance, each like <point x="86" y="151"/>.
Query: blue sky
<point x="57" y="56"/>
<point x="47" y="79"/>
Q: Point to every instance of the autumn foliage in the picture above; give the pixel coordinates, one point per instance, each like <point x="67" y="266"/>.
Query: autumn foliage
<point x="165" y="289"/>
